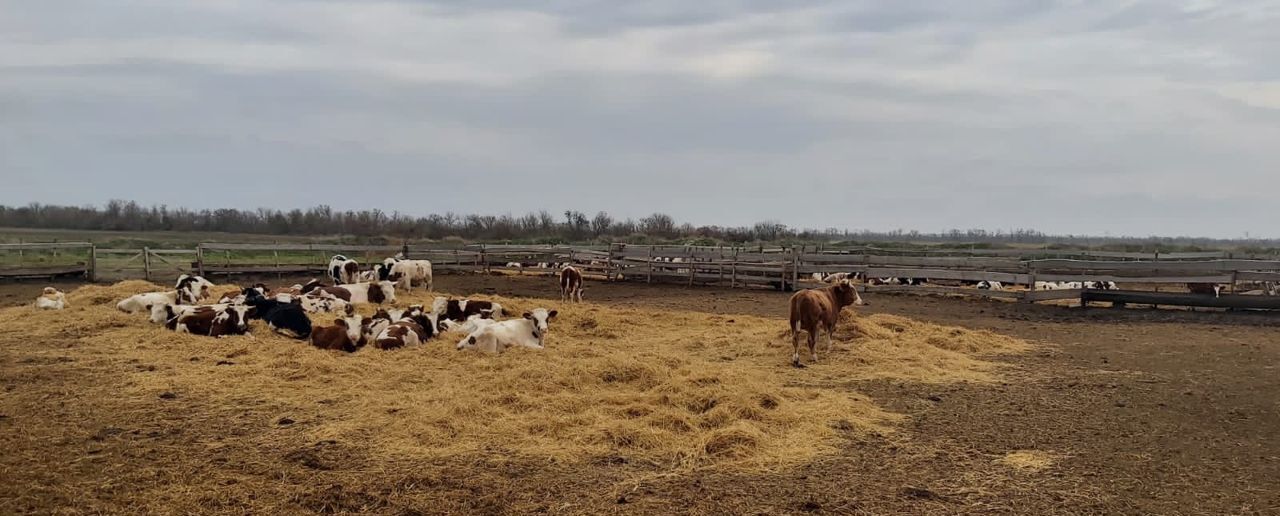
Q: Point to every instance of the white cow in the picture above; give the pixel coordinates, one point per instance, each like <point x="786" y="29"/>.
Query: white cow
<point x="192" y="289"/>
<point x="406" y="272"/>
<point x="471" y="325"/>
<point x="990" y="285"/>
<point x="51" y="299"/>
<point x="527" y="332"/>
<point x="343" y="269"/>
<point x="139" y="303"/>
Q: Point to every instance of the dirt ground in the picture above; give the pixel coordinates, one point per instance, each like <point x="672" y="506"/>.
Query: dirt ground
<point x="1120" y="411"/>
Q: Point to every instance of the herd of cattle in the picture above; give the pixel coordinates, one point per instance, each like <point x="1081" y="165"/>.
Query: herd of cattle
<point x="478" y="322"/>
<point x="285" y="309"/>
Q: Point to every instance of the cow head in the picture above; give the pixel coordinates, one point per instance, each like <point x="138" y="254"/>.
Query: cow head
<point x="160" y="313"/>
<point x="540" y="317"/>
<point x="847" y="294"/>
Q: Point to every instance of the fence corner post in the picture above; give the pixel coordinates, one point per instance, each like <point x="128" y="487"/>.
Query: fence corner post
<point x="200" y="259"/>
<point x="93" y="263"/>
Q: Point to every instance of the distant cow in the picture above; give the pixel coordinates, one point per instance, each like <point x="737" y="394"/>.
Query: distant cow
<point x="343" y="270"/>
<point x="51" y="299"/>
<point x="570" y="284"/>
<point x="816" y="309"/>
<point x="192" y="289"/>
<point x="529" y="332"/>
<point x="1205" y="288"/>
<point x="990" y="285"/>
<point x="840" y="276"/>
<point x="359" y="293"/>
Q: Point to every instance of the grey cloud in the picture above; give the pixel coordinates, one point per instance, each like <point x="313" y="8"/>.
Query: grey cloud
<point x="1065" y="116"/>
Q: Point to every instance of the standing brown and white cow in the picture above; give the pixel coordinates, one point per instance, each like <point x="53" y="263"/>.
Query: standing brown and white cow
<point x="570" y="284"/>
<point x="816" y="309"/>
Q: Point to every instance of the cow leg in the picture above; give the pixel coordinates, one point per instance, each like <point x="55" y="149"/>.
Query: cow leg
<point x="795" y="343"/>
<point x="813" y="344"/>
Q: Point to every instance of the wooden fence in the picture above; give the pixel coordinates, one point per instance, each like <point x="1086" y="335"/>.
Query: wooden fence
<point x="948" y="271"/>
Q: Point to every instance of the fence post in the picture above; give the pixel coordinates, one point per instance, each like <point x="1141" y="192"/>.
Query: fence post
<point x="93" y="263"/>
<point x="649" y="277"/>
<point x="733" y="277"/>
<point x="146" y="263"/>
<point x="795" y="267"/>
<point x="200" y="259"/>
<point x="689" y="259"/>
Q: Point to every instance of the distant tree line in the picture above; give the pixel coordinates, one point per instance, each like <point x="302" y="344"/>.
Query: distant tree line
<point x="540" y="227"/>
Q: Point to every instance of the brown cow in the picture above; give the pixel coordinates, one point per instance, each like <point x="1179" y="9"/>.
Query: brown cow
<point x="570" y="284"/>
<point x="1205" y="289"/>
<point x="344" y="335"/>
<point x="819" y="308"/>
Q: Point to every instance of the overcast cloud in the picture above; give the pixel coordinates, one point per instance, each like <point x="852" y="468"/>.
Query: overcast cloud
<point x="1072" y="116"/>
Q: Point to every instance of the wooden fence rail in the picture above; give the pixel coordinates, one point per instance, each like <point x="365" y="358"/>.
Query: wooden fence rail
<point x="754" y="267"/>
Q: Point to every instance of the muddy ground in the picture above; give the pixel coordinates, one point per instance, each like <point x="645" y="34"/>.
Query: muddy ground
<point x="1143" y="411"/>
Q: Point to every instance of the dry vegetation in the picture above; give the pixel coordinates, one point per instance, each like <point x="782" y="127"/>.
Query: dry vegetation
<point x="104" y="412"/>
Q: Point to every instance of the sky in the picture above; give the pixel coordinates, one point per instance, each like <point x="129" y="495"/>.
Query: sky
<point x="1110" y="117"/>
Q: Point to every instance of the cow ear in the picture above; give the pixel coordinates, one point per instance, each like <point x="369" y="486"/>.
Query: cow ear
<point x="552" y="314"/>
<point x="528" y="315"/>
<point x="340" y="322"/>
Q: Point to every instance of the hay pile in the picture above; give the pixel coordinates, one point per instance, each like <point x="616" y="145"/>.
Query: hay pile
<point x="671" y="389"/>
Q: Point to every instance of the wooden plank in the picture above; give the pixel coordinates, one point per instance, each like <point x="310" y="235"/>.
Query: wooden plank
<point x="1180" y="299"/>
<point x="337" y="248"/>
<point x="45" y="245"/>
<point x="1200" y="266"/>
<point x="1214" y="278"/>
<point x="1050" y="295"/>
<point x="947" y="274"/>
<point x="933" y="289"/>
<point x="35" y="272"/>
<point x="1258" y="276"/>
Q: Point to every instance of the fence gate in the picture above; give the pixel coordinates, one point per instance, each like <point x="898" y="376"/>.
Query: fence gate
<point x="161" y="265"/>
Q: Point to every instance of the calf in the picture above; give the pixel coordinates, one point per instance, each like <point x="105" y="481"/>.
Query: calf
<point x="570" y="284"/>
<point x="816" y="309"/>
<point x="840" y="276"/>
<point x="284" y="318"/>
<point x="344" y="335"/>
<point x="528" y="332"/>
<point x="343" y="269"/>
<point x="51" y="299"/>
<point x="211" y="320"/>
<point x="406" y="272"/>
<point x="469" y="326"/>
<point x="404" y="332"/>
<point x="458" y="310"/>
<point x="990" y="285"/>
<point x="1205" y="289"/>
<point x="359" y="293"/>
<point x="143" y="302"/>
<point x="192" y="289"/>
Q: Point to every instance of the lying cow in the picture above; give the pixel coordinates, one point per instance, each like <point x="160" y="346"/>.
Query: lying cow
<point x="139" y="303"/>
<point x="570" y="284"/>
<point x="528" y="332"/>
<point x="343" y="270"/>
<point x="344" y="335"/>
<point x="459" y="310"/>
<point x="361" y="293"/>
<point x="990" y="285"/>
<point x="210" y="320"/>
<point x="51" y="299"/>
<point x="469" y="326"/>
<point x="841" y="276"/>
<point x="192" y="289"/>
<point x="816" y="309"/>
<point x="319" y="302"/>
<point x="286" y="318"/>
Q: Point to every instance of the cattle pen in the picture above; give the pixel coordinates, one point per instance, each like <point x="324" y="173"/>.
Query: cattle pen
<point x="950" y="271"/>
